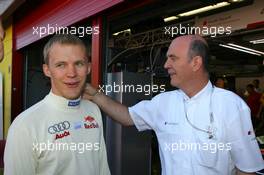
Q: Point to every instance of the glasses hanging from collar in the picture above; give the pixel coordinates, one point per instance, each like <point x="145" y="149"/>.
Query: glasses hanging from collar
<point x="210" y="131"/>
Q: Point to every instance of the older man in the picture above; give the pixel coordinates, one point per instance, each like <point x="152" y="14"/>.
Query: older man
<point x="201" y="129"/>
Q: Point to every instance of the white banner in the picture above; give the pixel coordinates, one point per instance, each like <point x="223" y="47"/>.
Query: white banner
<point x="236" y="19"/>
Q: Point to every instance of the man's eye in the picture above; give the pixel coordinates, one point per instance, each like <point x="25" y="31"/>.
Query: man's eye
<point x="172" y="58"/>
<point x="60" y="65"/>
<point x="80" y="64"/>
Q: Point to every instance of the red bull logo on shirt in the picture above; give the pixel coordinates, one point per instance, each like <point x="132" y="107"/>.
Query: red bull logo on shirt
<point x="90" y="122"/>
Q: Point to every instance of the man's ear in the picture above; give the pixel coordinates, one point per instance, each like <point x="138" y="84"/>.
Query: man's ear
<point x="46" y="70"/>
<point x="197" y="63"/>
<point x="89" y="66"/>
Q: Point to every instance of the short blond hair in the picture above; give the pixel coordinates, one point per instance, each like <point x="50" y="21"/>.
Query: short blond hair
<point x="62" y="39"/>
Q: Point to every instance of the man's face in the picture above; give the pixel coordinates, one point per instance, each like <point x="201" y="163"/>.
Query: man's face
<point x="178" y="64"/>
<point x="2" y="34"/>
<point x="220" y="83"/>
<point x="67" y="69"/>
<point x="250" y="90"/>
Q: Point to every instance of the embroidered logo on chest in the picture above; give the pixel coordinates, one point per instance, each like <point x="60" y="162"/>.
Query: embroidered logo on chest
<point x="60" y="129"/>
<point x="90" y="122"/>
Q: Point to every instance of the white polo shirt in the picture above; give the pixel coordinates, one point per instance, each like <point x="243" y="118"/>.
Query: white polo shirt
<point x="184" y="149"/>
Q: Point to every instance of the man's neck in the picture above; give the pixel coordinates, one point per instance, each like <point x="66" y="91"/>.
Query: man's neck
<point x="195" y="86"/>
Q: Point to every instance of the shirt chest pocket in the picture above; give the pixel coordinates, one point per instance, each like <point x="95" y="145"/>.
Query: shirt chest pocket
<point x="208" y="150"/>
<point x="169" y="133"/>
<point x="173" y="139"/>
<point x="170" y="127"/>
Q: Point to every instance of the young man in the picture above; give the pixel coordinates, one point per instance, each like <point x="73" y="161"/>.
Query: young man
<point x="62" y="134"/>
<point x="201" y="129"/>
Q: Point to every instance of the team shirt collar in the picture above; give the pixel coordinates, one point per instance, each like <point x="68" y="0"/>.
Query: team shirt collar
<point x="62" y="102"/>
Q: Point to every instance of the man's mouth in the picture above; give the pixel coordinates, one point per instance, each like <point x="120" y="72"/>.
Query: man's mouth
<point x="171" y="73"/>
<point x="72" y="84"/>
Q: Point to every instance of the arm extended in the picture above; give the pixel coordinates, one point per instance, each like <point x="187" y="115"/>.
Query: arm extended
<point x="114" y="109"/>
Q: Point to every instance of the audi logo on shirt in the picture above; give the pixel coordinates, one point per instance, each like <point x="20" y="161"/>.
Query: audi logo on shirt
<point x="59" y="127"/>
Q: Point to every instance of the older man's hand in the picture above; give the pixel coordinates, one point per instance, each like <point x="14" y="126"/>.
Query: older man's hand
<point x="89" y="92"/>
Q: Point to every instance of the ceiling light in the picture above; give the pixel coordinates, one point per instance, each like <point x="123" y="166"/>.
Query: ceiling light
<point x="245" y="48"/>
<point x="204" y="9"/>
<point x="123" y="31"/>
<point x="235" y="48"/>
<point x="258" y="41"/>
<point x="171" y="18"/>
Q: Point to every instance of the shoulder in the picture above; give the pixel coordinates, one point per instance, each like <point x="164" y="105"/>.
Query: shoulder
<point x="166" y="95"/>
<point x="229" y="100"/>
<point x="228" y="95"/>
<point x="229" y="107"/>
<point x="162" y="99"/>
<point x="90" y="107"/>
<point x="32" y="112"/>
<point x="26" y="119"/>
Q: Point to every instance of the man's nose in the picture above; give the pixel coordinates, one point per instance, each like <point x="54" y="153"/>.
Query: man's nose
<point x="71" y="71"/>
<point x="166" y="64"/>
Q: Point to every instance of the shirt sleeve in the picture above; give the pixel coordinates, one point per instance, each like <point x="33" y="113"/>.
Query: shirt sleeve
<point x="245" y="151"/>
<point x="144" y="114"/>
<point x="19" y="157"/>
